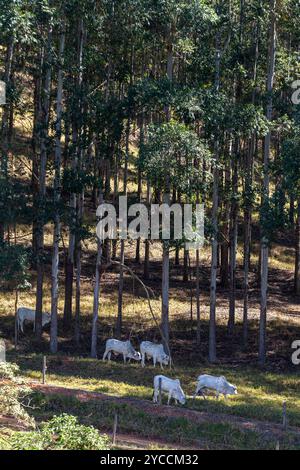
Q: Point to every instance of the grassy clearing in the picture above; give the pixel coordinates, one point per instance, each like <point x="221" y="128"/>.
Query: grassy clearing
<point x="261" y="393"/>
<point x="172" y="430"/>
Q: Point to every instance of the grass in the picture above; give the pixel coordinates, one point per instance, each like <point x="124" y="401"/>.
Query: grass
<point x="261" y="394"/>
<point x="172" y="430"/>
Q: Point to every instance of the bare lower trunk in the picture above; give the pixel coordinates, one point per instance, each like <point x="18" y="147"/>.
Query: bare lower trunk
<point x="120" y="292"/>
<point x="95" y="320"/>
<point x="233" y="246"/>
<point x="247" y="235"/>
<point x="266" y="187"/>
<point x="214" y="217"/>
<point x="57" y="178"/>
<point x="198" y="297"/>
<point x="297" y="261"/>
<point x="42" y="188"/>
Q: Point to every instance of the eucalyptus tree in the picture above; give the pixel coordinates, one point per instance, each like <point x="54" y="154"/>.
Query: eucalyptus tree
<point x="291" y="172"/>
<point x="266" y="182"/>
<point x="172" y="159"/>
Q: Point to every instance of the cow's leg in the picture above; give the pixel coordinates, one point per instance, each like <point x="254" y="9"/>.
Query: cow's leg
<point x="161" y="365"/>
<point x="105" y="354"/>
<point x="154" y="361"/>
<point x="109" y="356"/>
<point x="196" y="391"/>
<point x="143" y="360"/>
<point x="169" y="398"/>
<point x="124" y="358"/>
<point x="155" y="395"/>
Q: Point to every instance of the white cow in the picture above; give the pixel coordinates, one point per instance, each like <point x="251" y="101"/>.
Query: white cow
<point x="172" y="387"/>
<point x="27" y="314"/>
<point x="121" y="347"/>
<point x="219" y="384"/>
<point x="155" y="351"/>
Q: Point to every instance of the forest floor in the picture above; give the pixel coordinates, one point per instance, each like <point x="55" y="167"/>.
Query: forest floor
<point x="262" y="391"/>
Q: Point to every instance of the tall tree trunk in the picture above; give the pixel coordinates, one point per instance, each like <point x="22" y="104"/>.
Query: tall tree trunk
<point x="214" y="217"/>
<point x="297" y="260"/>
<point x="247" y="234"/>
<point x="233" y="241"/>
<point x="198" y="336"/>
<point x="42" y="186"/>
<point x="5" y="117"/>
<point x="147" y="242"/>
<point x="94" y="342"/>
<point x="122" y="248"/>
<point x="266" y="187"/>
<point x="76" y="124"/>
<point x="57" y="195"/>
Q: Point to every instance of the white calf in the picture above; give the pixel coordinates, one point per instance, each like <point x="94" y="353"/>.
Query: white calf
<point x="121" y="347"/>
<point x="155" y="351"/>
<point x="172" y="387"/>
<point x="26" y="314"/>
<point x="219" y="384"/>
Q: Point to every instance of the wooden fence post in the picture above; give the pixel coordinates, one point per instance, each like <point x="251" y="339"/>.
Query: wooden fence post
<point x="44" y="369"/>
<point x="160" y="394"/>
<point x="115" y="429"/>
<point x="284" y="413"/>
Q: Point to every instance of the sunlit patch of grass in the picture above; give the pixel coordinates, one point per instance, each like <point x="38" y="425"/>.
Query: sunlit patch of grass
<point x="261" y="394"/>
<point x="209" y="435"/>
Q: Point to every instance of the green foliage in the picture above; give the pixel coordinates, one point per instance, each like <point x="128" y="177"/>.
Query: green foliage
<point x="172" y="158"/>
<point x="61" y="433"/>
<point x="14" y="394"/>
<point x="14" y="265"/>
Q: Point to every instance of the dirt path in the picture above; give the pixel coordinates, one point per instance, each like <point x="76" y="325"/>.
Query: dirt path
<point x="272" y="430"/>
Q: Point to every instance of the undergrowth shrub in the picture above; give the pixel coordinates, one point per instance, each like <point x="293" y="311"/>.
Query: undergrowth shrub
<point x="61" y="433"/>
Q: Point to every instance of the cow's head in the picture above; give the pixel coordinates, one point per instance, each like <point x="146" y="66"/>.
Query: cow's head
<point x="231" y="390"/>
<point x="165" y="359"/>
<point x="179" y="394"/>
<point x="135" y="355"/>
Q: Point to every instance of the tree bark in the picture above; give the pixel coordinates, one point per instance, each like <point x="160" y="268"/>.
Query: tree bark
<point x="266" y="187"/>
<point x="42" y="186"/>
<point x="94" y="342"/>
<point x="57" y="195"/>
<point x="297" y="260"/>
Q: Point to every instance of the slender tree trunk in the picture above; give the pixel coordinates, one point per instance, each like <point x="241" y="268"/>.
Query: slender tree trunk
<point x="42" y="187"/>
<point x="247" y="234"/>
<point x="147" y="242"/>
<point x="57" y="190"/>
<point x="266" y="187"/>
<point x="121" y="274"/>
<point x="5" y="119"/>
<point x="95" y="320"/>
<point x="233" y="243"/>
<point x="225" y="240"/>
<point x="297" y="261"/>
<point x="69" y="266"/>
<point x="198" y="337"/>
<point x="214" y="217"/>
<point x="165" y="285"/>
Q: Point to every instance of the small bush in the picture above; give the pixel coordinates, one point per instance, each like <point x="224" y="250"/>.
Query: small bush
<point x="14" y="394"/>
<point x="61" y="433"/>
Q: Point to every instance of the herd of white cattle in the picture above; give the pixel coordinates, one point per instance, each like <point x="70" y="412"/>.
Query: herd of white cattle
<point x="148" y="351"/>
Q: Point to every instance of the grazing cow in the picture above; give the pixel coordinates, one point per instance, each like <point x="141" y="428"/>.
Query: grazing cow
<point x="156" y="351"/>
<point x="219" y="384"/>
<point x="172" y="387"/>
<point x="27" y="314"/>
<point x="121" y="347"/>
